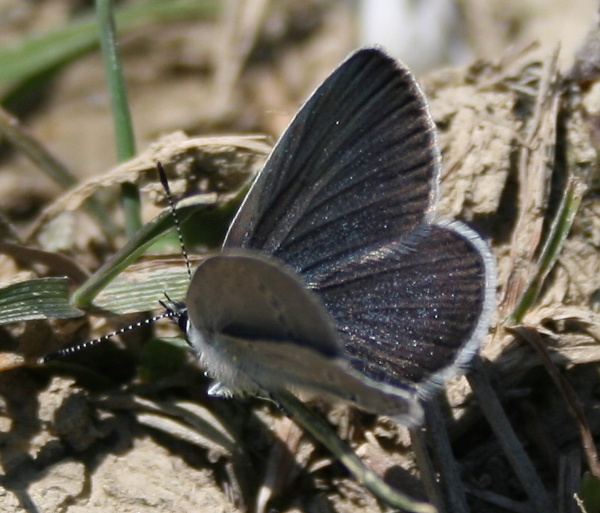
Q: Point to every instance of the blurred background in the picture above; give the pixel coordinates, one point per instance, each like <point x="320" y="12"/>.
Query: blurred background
<point x="246" y="66"/>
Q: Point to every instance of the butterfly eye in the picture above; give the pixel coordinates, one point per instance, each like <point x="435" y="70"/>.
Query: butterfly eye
<point x="183" y="322"/>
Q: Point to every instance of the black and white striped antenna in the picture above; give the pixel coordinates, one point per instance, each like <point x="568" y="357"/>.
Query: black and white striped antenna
<point x="165" y="183"/>
<point x="173" y="309"/>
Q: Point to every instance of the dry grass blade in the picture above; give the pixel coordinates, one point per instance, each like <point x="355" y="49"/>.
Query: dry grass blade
<point x="511" y="446"/>
<point x="186" y="421"/>
<point x="570" y="481"/>
<point x="569" y="396"/>
<point x="172" y="151"/>
<point x="55" y="262"/>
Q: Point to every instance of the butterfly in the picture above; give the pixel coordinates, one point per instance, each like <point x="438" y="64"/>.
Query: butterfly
<point x="337" y="274"/>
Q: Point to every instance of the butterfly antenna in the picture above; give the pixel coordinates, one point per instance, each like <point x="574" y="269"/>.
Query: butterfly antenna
<point x="76" y="348"/>
<point x="165" y="183"/>
<point x="173" y="309"/>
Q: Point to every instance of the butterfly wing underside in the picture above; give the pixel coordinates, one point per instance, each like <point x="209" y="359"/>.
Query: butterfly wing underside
<point x="258" y="329"/>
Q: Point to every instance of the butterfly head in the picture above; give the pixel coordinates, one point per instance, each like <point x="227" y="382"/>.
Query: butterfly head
<point x="176" y="311"/>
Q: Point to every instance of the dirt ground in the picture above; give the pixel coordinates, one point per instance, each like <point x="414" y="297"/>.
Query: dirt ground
<point x="128" y="428"/>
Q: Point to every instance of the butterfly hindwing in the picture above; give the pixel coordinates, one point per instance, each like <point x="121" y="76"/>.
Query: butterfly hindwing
<point x="413" y="312"/>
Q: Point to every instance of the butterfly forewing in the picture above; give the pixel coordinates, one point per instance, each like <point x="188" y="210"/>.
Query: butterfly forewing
<point x="357" y="166"/>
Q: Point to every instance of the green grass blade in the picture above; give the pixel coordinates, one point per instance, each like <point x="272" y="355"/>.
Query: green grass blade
<point x="561" y="226"/>
<point x="140" y="242"/>
<point x="319" y="429"/>
<point x="135" y="292"/>
<point x="124" y="137"/>
<point x="43" y="53"/>
<point x="44" y="298"/>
